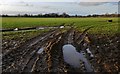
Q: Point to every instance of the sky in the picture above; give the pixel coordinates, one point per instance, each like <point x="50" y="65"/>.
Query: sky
<point x="72" y="7"/>
<point x="59" y="0"/>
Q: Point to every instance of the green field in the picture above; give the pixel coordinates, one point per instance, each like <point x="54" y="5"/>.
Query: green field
<point x="100" y="24"/>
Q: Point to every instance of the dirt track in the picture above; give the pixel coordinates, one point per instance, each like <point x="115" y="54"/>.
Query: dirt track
<point x="26" y="59"/>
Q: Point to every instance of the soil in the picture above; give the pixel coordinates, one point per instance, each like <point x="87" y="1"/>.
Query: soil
<point x="24" y="58"/>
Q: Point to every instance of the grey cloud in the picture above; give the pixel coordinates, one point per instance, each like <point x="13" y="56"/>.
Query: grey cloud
<point x="28" y="4"/>
<point x="91" y="3"/>
<point x="96" y="3"/>
<point x="46" y="7"/>
<point x="18" y="4"/>
<point x="22" y="3"/>
<point x="114" y="3"/>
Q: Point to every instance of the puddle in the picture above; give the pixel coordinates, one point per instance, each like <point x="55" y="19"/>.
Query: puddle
<point x="72" y="57"/>
<point x="61" y="27"/>
<point x="31" y="28"/>
<point x="88" y="51"/>
<point x="40" y="28"/>
<point x="16" y="29"/>
<point x="40" y="50"/>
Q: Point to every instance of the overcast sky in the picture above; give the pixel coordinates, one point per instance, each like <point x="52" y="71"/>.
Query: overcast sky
<point x="81" y="7"/>
<point x="59" y="0"/>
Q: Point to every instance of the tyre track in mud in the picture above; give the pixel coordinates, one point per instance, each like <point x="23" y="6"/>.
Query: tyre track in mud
<point x="75" y="38"/>
<point x="39" y="58"/>
<point x="31" y="41"/>
<point x="51" y="60"/>
<point x="27" y="58"/>
<point x="24" y="51"/>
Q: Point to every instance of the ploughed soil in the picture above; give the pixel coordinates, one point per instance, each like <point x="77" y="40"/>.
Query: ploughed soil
<point x="23" y="57"/>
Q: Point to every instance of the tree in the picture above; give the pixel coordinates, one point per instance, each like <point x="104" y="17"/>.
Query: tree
<point x="25" y="15"/>
<point x="65" y="15"/>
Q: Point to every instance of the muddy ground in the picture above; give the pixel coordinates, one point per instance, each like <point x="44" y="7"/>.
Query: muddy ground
<point x="24" y="58"/>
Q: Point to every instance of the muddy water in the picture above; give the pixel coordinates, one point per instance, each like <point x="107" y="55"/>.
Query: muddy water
<point x="40" y="50"/>
<point x="89" y="52"/>
<point x="72" y="57"/>
<point x="30" y="28"/>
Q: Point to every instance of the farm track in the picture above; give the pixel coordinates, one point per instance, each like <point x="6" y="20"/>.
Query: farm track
<point x="26" y="50"/>
<point x="26" y="59"/>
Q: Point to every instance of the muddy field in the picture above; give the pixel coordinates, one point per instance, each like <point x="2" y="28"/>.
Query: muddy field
<point x="44" y="53"/>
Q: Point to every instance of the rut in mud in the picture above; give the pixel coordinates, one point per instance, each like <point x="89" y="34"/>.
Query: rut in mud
<point x="44" y="53"/>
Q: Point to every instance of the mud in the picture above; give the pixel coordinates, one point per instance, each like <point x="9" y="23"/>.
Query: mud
<point x="25" y="58"/>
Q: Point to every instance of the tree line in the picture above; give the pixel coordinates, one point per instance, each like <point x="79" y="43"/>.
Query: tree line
<point x="64" y="15"/>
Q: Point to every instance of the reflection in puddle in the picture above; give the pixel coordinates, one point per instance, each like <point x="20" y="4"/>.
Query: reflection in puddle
<point x="88" y="51"/>
<point x="61" y="27"/>
<point x="72" y="57"/>
<point x="40" y="28"/>
<point x="40" y="50"/>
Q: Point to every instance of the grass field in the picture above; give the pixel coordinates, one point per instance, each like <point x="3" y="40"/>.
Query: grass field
<point x="99" y="24"/>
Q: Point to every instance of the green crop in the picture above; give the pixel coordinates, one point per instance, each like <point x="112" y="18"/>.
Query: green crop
<point x="99" y="24"/>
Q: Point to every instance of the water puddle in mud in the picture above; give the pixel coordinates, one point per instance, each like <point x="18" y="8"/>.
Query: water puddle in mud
<point x="30" y="28"/>
<point x="40" y="28"/>
<point x="89" y="52"/>
<point x="72" y="57"/>
<point x="40" y="50"/>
